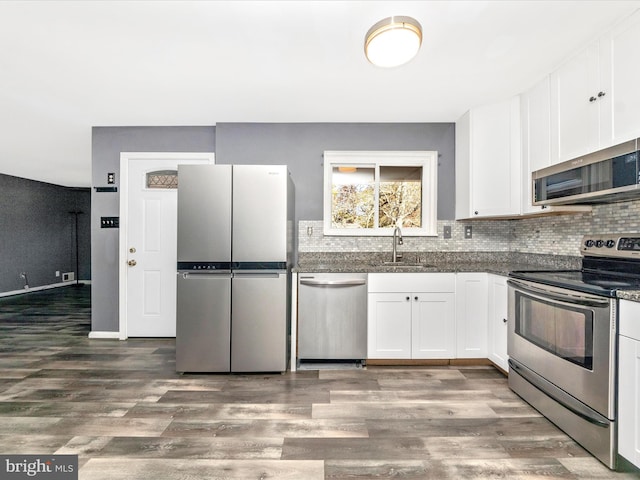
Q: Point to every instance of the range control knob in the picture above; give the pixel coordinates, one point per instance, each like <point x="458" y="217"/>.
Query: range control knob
<point x="600" y="243"/>
<point x="611" y="243"/>
<point x="589" y="243"/>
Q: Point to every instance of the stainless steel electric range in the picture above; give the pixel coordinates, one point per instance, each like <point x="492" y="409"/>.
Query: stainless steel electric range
<point x="563" y="340"/>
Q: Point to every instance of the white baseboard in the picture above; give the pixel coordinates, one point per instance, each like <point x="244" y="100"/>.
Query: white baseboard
<point x="104" y="335"/>
<point x="42" y="287"/>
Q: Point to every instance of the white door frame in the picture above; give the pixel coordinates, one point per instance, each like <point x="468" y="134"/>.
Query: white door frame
<point x="125" y="158"/>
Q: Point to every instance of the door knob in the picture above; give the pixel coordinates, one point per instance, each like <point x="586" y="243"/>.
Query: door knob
<point x="132" y="250"/>
<point x="132" y="263"/>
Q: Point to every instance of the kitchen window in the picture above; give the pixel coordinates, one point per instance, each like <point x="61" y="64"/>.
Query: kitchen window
<point x="369" y="193"/>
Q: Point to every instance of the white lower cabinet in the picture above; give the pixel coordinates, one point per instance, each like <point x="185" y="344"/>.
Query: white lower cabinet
<point x="497" y="330"/>
<point x="433" y="333"/>
<point x="629" y="382"/>
<point x="471" y="315"/>
<point x="411" y="316"/>
<point x="389" y="325"/>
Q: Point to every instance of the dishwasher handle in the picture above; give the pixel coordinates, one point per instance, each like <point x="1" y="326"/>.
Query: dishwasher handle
<point x="332" y="283"/>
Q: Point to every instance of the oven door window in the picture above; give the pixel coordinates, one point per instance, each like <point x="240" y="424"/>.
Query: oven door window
<point x="565" y="331"/>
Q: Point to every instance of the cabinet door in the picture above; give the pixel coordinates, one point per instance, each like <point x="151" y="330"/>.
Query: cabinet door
<point x="575" y="116"/>
<point x="433" y="325"/>
<point x="624" y="98"/>
<point x="498" y="321"/>
<point x="535" y="112"/>
<point x="495" y="159"/>
<point x="629" y="400"/>
<point x="539" y="106"/>
<point x="389" y="325"/>
<point x="471" y="315"/>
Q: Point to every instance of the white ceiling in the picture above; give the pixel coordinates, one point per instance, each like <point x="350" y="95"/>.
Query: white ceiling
<point x="68" y="66"/>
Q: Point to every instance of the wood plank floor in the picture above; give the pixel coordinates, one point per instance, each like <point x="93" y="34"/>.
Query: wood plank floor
<point x="122" y="408"/>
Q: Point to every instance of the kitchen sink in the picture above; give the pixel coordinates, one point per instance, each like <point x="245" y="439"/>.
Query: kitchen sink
<point x="403" y="265"/>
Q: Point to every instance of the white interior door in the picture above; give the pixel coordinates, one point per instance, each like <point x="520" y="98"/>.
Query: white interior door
<point x="148" y="253"/>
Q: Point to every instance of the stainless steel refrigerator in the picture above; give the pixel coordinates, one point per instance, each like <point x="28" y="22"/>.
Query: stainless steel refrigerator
<point x="235" y="251"/>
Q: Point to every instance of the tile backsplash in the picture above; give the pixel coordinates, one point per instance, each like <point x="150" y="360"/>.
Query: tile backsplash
<point x="557" y="235"/>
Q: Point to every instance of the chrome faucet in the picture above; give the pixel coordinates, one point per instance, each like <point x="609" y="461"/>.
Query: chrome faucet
<point x="397" y="240"/>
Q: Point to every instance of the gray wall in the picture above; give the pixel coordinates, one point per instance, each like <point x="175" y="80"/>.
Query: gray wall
<point x="37" y="232"/>
<point x="300" y="146"/>
<point x="107" y="143"/>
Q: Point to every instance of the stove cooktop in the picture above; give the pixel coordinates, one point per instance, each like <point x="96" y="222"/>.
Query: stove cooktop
<point x="610" y="263"/>
<point x="595" y="283"/>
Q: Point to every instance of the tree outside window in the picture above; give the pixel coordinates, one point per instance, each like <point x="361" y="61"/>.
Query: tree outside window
<point x="369" y="193"/>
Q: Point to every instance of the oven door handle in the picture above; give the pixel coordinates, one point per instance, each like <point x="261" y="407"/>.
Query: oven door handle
<point x="543" y="294"/>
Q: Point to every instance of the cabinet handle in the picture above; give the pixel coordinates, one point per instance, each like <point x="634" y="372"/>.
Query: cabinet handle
<point x="475" y="213"/>
<point x="601" y="94"/>
<point x="415" y="298"/>
<point x="592" y="99"/>
<point x="504" y="320"/>
<point x="408" y="298"/>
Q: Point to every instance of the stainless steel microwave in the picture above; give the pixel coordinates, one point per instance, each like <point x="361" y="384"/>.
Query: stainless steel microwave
<point x="609" y="175"/>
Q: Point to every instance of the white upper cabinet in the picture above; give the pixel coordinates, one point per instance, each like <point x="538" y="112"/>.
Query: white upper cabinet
<point x="488" y="161"/>
<point x="535" y="117"/>
<point x="575" y="106"/>
<point x="594" y="96"/>
<point x="624" y="72"/>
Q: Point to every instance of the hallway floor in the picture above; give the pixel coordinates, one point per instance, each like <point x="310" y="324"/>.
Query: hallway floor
<point x="123" y="409"/>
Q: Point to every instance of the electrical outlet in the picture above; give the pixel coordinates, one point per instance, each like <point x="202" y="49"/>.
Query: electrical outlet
<point x="111" y="178"/>
<point x="447" y="231"/>
<point x="467" y="231"/>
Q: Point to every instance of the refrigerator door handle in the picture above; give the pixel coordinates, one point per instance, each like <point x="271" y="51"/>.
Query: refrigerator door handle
<point x="193" y="275"/>
<point x="258" y="274"/>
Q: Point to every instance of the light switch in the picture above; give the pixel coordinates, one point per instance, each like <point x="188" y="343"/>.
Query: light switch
<point x="109" y="222"/>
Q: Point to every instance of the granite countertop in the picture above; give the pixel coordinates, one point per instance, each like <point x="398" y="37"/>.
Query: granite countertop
<point x="500" y="268"/>
<point x="633" y="295"/>
<point x="500" y="263"/>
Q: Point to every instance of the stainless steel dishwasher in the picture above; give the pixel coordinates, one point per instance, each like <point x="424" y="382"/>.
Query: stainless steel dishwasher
<point x="332" y="316"/>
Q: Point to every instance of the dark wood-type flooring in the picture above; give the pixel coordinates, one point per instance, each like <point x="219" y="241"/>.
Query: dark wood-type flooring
<point x="123" y="409"/>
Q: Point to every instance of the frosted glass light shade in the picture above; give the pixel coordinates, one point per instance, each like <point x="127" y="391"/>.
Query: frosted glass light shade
<point x="393" y="41"/>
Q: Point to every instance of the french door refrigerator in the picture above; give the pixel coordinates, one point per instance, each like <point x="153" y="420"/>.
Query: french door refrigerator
<point x="235" y="250"/>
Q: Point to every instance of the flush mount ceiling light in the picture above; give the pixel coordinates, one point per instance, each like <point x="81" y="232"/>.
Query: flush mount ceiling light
<point x="393" y="41"/>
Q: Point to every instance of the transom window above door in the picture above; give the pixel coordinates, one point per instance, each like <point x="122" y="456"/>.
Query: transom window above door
<point x="163" y="179"/>
<point x="370" y="193"/>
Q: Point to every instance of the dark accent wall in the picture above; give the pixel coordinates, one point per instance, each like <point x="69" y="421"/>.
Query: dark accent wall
<point x="37" y="232"/>
<point x="107" y="144"/>
<point x="300" y="146"/>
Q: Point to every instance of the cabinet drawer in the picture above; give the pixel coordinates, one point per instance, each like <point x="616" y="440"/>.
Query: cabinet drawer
<point x="412" y="282"/>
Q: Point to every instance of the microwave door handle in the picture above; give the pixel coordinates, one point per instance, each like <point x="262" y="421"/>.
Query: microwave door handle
<point x="543" y="294"/>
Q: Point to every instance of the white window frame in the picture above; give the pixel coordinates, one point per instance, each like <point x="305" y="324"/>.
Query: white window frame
<point x="428" y="160"/>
